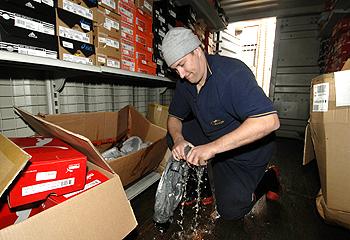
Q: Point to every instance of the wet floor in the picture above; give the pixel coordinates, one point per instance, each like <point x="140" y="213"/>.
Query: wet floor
<point x="294" y="216"/>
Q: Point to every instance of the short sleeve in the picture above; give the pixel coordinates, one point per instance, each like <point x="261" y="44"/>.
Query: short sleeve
<point x="179" y="107"/>
<point x="244" y="97"/>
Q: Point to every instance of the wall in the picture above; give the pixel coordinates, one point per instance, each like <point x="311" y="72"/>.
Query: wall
<point x="32" y="91"/>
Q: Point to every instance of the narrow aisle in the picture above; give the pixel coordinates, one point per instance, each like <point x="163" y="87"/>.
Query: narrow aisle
<point x="294" y="216"/>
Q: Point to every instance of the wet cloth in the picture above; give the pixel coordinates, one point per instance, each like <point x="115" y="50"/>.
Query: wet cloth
<point x="170" y="190"/>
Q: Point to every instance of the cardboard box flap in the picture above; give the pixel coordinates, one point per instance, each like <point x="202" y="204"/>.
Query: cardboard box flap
<point x="309" y="152"/>
<point x="12" y="161"/>
<point x="123" y="122"/>
<point x="79" y="142"/>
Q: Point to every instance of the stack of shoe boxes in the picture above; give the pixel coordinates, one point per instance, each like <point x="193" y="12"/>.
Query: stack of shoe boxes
<point x="107" y="34"/>
<point x="126" y="10"/>
<point x="338" y="49"/>
<point x="74" y="23"/>
<point x="164" y="18"/>
<point x="136" y="36"/>
<point x="28" y="27"/>
<point x="144" y="41"/>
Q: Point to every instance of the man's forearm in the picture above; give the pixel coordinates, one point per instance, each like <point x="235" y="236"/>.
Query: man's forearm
<point x="251" y="130"/>
<point x="175" y="128"/>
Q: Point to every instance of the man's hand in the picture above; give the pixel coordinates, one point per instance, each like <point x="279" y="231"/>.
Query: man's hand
<point x="179" y="149"/>
<point x="200" y="155"/>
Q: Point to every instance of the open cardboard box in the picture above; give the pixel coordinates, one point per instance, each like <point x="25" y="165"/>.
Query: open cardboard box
<point x="102" y="212"/>
<point x="107" y="128"/>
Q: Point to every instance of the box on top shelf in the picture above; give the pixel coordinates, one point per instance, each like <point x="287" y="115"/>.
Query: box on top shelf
<point x="128" y="2"/>
<point x="83" y="8"/>
<point x="75" y="27"/>
<point x="127" y="48"/>
<point x="127" y="31"/>
<point x="143" y="66"/>
<point x="107" y="22"/>
<point x="111" y="5"/>
<point x="145" y="5"/>
<point x="27" y="35"/>
<point x="107" y="50"/>
<point x="105" y="207"/>
<point x="143" y="22"/>
<point x="116" y="126"/>
<point x="140" y="53"/>
<point x="126" y="12"/>
<point x="43" y="8"/>
<point x="54" y="168"/>
<point x="75" y="51"/>
<point x="127" y="63"/>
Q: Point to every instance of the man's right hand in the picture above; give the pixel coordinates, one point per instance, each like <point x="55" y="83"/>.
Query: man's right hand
<point x="179" y="149"/>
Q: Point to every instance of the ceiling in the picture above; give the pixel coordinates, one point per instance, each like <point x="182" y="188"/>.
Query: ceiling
<point x="238" y="10"/>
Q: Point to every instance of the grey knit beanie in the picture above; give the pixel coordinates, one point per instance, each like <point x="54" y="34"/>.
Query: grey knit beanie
<point x="177" y="43"/>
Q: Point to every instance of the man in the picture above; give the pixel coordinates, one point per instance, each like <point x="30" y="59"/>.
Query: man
<point x="234" y="114"/>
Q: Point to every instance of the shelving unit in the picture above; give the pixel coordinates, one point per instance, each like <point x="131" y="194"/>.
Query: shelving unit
<point x="68" y="70"/>
<point x="206" y="12"/>
<point x="342" y="8"/>
<point x="333" y="18"/>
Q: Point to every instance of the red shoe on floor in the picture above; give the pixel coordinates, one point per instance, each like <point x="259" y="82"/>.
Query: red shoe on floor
<point x="207" y="200"/>
<point x="204" y="201"/>
<point x="273" y="194"/>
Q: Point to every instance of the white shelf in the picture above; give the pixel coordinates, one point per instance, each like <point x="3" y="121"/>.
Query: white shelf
<point x="142" y="185"/>
<point x="55" y="65"/>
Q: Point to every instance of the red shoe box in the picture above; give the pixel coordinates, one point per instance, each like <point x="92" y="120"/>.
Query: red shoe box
<point x="93" y="178"/>
<point x="143" y="22"/>
<point x="127" y="48"/>
<point x="143" y="55"/>
<point x="128" y="63"/>
<point x="144" y="40"/>
<point x="55" y="167"/>
<point x="10" y="216"/>
<point x="127" y="31"/>
<point x="126" y="12"/>
<point x="145" y="67"/>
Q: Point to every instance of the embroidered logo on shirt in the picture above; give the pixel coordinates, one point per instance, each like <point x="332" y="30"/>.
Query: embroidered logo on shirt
<point x="217" y="122"/>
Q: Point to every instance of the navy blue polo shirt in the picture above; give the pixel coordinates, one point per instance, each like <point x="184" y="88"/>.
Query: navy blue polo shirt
<point x="229" y="96"/>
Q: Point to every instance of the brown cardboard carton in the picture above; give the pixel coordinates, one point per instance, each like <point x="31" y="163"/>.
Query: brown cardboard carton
<point x="158" y="114"/>
<point x="145" y="5"/>
<point x="346" y="65"/>
<point x="108" y="22"/>
<point x="103" y="212"/>
<point x="107" y="45"/>
<point x="108" y="128"/>
<point x="332" y="216"/>
<point x="330" y="133"/>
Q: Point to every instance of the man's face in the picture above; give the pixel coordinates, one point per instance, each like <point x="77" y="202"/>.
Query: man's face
<point x="189" y="67"/>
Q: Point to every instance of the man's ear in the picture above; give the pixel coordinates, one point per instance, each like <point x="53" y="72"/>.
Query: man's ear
<point x="198" y="51"/>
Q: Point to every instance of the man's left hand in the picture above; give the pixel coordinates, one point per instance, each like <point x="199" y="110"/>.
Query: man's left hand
<point x="200" y="155"/>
